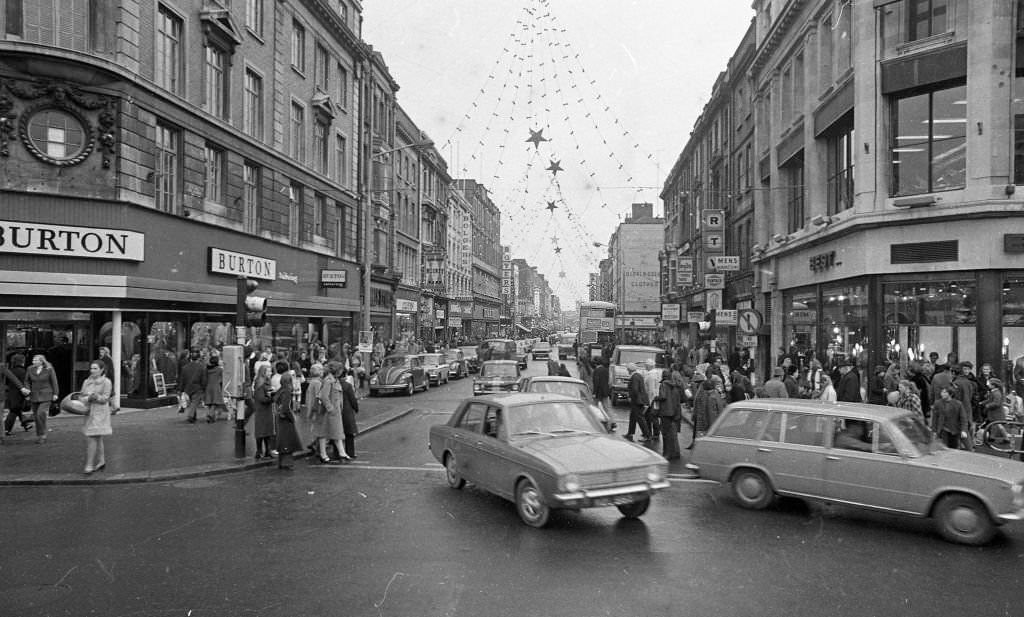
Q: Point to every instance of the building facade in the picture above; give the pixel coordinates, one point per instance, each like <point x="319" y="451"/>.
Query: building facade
<point x="486" y="228"/>
<point x="636" y="275"/>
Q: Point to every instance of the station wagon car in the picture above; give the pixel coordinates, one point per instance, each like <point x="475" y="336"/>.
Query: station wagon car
<point x="568" y="386"/>
<point x="437" y="368"/>
<point x="880" y="458"/>
<point x="399" y="373"/>
<point x="545" y="452"/>
<point x="497" y="376"/>
<point x="473" y="361"/>
<point x="458" y="367"/>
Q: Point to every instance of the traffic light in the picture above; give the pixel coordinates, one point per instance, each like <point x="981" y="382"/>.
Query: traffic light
<point x="255" y="306"/>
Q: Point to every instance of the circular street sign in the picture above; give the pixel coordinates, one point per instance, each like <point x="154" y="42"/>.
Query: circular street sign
<point x="748" y="321"/>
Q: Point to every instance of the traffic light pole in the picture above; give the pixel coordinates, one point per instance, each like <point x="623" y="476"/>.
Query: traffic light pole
<point x="242" y="290"/>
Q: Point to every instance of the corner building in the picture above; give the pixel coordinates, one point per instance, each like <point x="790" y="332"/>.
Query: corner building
<point x="889" y="219"/>
<point x="153" y="152"/>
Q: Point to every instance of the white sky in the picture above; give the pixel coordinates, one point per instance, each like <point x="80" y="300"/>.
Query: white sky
<point x="616" y="85"/>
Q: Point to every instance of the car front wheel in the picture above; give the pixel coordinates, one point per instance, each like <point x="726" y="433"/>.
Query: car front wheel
<point x="409" y="390"/>
<point x="964" y="520"/>
<point x="635" y="509"/>
<point x="530" y="505"/>
<point x="451" y="473"/>
<point x="751" y="489"/>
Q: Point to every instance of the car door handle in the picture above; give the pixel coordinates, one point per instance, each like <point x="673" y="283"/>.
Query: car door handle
<point x="833" y="457"/>
<point x="764" y="450"/>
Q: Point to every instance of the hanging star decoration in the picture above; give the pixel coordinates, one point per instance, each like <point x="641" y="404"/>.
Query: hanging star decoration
<point x="555" y="167"/>
<point x="536" y="137"/>
<point x="554" y="239"/>
<point x="558" y="249"/>
<point x="551" y="206"/>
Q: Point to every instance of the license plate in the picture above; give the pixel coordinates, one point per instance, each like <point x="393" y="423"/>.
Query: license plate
<point x="619" y="500"/>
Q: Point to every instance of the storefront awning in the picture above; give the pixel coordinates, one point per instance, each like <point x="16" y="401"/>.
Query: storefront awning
<point x="522" y="327"/>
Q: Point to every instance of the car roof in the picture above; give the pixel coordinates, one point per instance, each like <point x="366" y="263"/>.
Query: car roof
<point x="403" y="356"/>
<point x="866" y="410"/>
<point x="537" y="378"/>
<point x="639" y="348"/>
<point x="513" y="399"/>
<point x="513" y="362"/>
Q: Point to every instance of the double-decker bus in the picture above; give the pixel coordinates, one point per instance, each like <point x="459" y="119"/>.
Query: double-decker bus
<point x="597" y="327"/>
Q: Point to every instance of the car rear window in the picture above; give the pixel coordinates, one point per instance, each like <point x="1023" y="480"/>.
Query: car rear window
<point x="743" y="424"/>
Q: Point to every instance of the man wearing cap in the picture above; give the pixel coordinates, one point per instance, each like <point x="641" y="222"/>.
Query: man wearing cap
<point x="638" y="401"/>
<point x="992" y="406"/>
<point x="774" y="387"/>
<point x="966" y="388"/>
<point x="848" y="389"/>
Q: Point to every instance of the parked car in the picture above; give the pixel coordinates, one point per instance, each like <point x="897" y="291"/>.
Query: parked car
<point x="458" y="367"/>
<point x="568" y="386"/>
<point x="399" y="373"/>
<point x="469" y="352"/>
<point x="497" y="376"/>
<point x="541" y="350"/>
<point x="625" y="355"/>
<point x="869" y="456"/>
<point x="437" y="368"/>
<point x="545" y="452"/>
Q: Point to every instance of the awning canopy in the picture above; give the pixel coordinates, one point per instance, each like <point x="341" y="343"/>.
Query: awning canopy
<point x="522" y="327"/>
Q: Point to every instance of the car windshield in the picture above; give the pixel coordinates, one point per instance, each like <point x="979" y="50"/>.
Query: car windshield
<point x="452" y="356"/>
<point x="498" y="370"/>
<point x="638" y="356"/>
<point x="394" y="363"/>
<point x="550" y="418"/>
<point x="468" y="352"/>
<point x="568" y="339"/>
<point x="431" y="359"/>
<point x="541" y="346"/>
<point x="915" y="432"/>
<point x="568" y="388"/>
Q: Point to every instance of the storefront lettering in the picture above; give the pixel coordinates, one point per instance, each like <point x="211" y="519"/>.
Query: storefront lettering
<point x="240" y="264"/>
<point x="823" y="261"/>
<point x="63" y="240"/>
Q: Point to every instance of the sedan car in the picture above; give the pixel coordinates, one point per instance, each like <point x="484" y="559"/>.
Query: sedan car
<point x="541" y="351"/>
<point x="437" y="368"/>
<point x="458" y="367"/>
<point x="869" y="456"/>
<point x="399" y="373"/>
<point x="497" y="376"/>
<point x="469" y="352"/>
<point x="568" y="386"/>
<point x="545" y="452"/>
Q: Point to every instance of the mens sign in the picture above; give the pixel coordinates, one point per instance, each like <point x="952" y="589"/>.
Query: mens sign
<point x="68" y="241"/>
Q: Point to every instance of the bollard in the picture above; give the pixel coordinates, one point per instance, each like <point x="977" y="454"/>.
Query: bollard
<point x="240" y="428"/>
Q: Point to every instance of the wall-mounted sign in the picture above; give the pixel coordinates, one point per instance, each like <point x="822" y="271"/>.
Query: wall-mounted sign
<point x="714" y="241"/>
<point x="240" y="264"/>
<point x="823" y="261"/>
<point x="670" y="312"/>
<point x="725" y="317"/>
<point x="713" y="219"/>
<point x="1013" y="243"/>
<point x="454" y="322"/>
<point x="333" y="278"/>
<point x="439" y="314"/>
<point x="714" y="281"/>
<point x="723" y="263"/>
<point x="713" y="299"/>
<point x="68" y="241"/>
<point x="694" y="316"/>
<point x="749" y="321"/>
<point x="405" y="306"/>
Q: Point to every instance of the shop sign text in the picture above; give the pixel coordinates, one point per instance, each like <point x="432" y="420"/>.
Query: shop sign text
<point x="823" y="261"/>
<point x="240" y="264"/>
<point x="68" y="241"/>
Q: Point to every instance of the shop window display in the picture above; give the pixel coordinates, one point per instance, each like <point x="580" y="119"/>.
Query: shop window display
<point x="800" y="323"/>
<point x="844" y="323"/>
<point x="925" y="317"/>
<point x="1013" y="333"/>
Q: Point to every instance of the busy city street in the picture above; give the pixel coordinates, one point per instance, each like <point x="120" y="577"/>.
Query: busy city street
<point x="384" y="535"/>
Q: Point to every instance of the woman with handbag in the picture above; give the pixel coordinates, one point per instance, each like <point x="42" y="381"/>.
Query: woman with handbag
<point x="42" y="391"/>
<point x="288" y="440"/>
<point x="95" y="394"/>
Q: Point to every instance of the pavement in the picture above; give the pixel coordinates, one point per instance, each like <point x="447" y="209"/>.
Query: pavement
<point x="148" y="445"/>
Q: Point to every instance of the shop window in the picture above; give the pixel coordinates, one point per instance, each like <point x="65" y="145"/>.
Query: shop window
<point x="928" y="316"/>
<point x="800" y="324"/>
<point x="929" y="149"/>
<point x="844" y="324"/>
<point x="167" y="352"/>
<point x="1013" y="332"/>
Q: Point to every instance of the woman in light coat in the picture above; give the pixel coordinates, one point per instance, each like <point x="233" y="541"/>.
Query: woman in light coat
<point x="329" y="428"/>
<point x="828" y="391"/>
<point x="213" y="397"/>
<point x="96" y="393"/>
<point x="42" y="390"/>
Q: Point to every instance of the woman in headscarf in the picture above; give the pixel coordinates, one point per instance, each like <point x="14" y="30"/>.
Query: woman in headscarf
<point x="96" y="393"/>
<point x="288" y="440"/>
<point x="263" y="412"/>
<point x="908" y="398"/>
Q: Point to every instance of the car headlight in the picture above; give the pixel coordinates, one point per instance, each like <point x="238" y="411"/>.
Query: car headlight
<point x="654" y="475"/>
<point x="570" y="482"/>
<point x="515" y="387"/>
<point x="406" y="377"/>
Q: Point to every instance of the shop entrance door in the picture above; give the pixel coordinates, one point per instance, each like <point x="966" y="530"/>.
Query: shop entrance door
<point x="65" y="344"/>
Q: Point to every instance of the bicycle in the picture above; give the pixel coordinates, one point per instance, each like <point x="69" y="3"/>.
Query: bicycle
<point x="1011" y="442"/>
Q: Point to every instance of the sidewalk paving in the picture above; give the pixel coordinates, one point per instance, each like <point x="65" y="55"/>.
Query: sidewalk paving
<point x="148" y="445"/>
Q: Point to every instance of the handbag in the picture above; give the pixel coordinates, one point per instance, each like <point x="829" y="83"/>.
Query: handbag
<point x="72" y="404"/>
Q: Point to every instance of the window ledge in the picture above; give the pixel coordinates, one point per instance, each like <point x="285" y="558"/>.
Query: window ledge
<point x="930" y="42"/>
